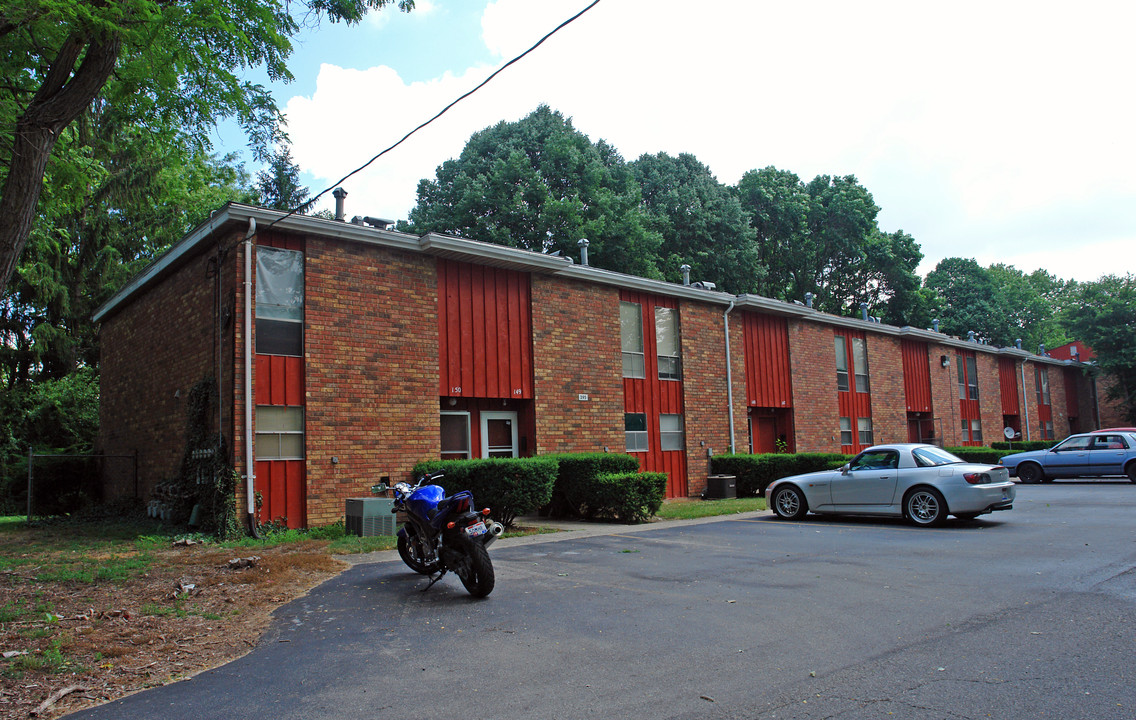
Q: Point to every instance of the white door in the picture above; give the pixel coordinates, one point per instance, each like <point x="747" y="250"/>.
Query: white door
<point x="498" y="434"/>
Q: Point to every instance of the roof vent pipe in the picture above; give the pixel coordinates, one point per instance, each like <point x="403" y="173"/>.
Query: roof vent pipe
<point x="864" y="311"/>
<point x="1041" y="349"/>
<point x="339" y="194"/>
<point x="1018" y="343"/>
<point x="970" y="336"/>
<point x="935" y="324"/>
<point x="583" y="244"/>
<point x="685" y="274"/>
<point x="809" y="299"/>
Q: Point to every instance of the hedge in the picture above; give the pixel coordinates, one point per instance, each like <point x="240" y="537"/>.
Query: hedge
<point x="754" y="473"/>
<point x="630" y="497"/>
<point x="576" y="479"/>
<point x="508" y="486"/>
<point x="1017" y="447"/>
<point x="983" y="455"/>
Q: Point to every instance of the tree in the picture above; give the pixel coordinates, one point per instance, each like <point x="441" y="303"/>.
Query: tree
<point x="1103" y="317"/>
<point x="967" y="292"/>
<point x="175" y="60"/>
<point x="541" y="185"/>
<point x="701" y="222"/>
<point x="1024" y="307"/>
<point x="778" y="209"/>
<point x="279" y="185"/>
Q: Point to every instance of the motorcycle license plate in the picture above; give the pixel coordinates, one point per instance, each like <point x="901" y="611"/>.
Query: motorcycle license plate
<point x="476" y="529"/>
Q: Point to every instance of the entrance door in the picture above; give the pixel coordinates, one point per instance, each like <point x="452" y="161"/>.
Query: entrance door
<point x="498" y="434"/>
<point x="763" y="431"/>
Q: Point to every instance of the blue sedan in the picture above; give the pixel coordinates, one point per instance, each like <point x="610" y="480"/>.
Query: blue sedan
<point x="1092" y="454"/>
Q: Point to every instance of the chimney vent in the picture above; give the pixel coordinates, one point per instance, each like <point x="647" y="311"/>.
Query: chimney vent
<point x="339" y="194"/>
<point x="685" y="274"/>
<point x="864" y="311"/>
<point x="583" y="245"/>
<point x="809" y="299"/>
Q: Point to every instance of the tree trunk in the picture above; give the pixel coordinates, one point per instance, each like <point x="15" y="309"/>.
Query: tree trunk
<point x="64" y="94"/>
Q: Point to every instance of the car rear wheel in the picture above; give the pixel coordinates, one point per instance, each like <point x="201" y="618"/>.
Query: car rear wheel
<point x="1030" y="473"/>
<point x="925" y="507"/>
<point x="789" y="503"/>
<point x="1131" y="471"/>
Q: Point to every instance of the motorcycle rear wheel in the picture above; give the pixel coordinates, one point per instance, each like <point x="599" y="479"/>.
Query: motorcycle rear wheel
<point x="476" y="570"/>
<point x="408" y="551"/>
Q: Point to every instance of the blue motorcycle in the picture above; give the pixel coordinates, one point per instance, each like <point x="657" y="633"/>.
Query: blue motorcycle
<point x="445" y="534"/>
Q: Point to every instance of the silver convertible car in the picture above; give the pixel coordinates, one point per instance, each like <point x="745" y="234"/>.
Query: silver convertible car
<point x="922" y="483"/>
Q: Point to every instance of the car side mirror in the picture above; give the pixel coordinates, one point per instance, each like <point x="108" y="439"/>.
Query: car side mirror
<point x="846" y="468"/>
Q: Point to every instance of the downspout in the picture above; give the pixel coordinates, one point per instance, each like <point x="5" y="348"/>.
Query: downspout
<point x="250" y="469"/>
<point x="1025" y="400"/>
<point x="729" y="374"/>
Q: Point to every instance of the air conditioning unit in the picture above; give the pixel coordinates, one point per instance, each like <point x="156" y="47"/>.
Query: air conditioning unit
<point x="721" y="487"/>
<point x="368" y="517"/>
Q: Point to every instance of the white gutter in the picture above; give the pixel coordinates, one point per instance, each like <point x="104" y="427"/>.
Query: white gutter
<point x="729" y="375"/>
<point x="250" y="469"/>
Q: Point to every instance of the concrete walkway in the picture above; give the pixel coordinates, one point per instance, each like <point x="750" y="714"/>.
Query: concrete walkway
<point x="566" y="530"/>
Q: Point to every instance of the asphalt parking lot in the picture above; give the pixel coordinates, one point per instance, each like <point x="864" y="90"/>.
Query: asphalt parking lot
<point x="1022" y="614"/>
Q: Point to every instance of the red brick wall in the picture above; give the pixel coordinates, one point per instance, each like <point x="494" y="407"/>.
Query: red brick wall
<point x="153" y="351"/>
<point x="704" y="383"/>
<point x="889" y="398"/>
<point x="989" y="398"/>
<point x="576" y="351"/>
<point x="945" y="394"/>
<point x="371" y="355"/>
<point x="812" y="356"/>
<point x="1058" y="402"/>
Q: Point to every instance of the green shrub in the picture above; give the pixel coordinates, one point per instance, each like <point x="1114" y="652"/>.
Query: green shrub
<point x="754" y="473"/>
<point x="1016" y="447"/>
<point x="508" y="486"/>
<point x="630" y="497"/>
<point x="577" y="475"/>
<point x="983" y="455"/>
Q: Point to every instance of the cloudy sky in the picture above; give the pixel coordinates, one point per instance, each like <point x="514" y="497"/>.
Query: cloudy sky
<point x="1002" y="131"/>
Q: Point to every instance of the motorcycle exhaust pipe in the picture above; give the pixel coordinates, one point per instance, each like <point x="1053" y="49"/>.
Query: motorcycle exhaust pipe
<point x="495" y="530"/>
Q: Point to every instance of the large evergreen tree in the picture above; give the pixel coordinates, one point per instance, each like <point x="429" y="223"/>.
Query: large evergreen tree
<point x="540" y="184"/>
<point x="701" y="222"/>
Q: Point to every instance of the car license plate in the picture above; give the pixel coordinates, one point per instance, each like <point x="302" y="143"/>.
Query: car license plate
<point x="476" y="529"/>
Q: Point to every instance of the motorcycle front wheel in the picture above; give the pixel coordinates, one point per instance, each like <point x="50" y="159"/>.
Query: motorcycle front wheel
<point x="476" y="569"/>
<point x="408" y="551"/>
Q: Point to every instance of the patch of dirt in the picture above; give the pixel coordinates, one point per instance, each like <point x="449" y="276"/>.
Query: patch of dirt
<point x="100" y="641"/>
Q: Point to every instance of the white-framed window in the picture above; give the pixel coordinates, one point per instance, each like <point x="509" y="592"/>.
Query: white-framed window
<point x="864" y="429"/>
<point x="455" y="436"/>
<point x="976" y="431"/>
<point x="845" y="431"/>
<point x="667" y="344"/>
<point x="635" y="428"/>
<point x="842" y="371"/>
<point x="279" y="301"/>
<point x="671" y="435"/>
<point x="279" y="432"/>
<point x="1043" y="387"/>
<point x="631" y="339"/>
<point x="860" y="364"/>
<point x="967" y="377"/>
<point x="1046" y="429"/>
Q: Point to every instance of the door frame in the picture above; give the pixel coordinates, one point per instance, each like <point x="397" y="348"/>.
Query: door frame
<point x="486" y="416"/>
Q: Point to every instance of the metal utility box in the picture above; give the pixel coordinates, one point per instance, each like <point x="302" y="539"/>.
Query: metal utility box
<point x="722" y="486"/>
<point x="367" y="517"/>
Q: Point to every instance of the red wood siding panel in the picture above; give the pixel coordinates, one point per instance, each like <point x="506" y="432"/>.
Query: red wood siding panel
<point x="916" y="376"/>
<point x="852" y="404"/>
<point x="282" y="486"/>
<point x="279" y="380"/>
<point x="653" y="397"/>
<point x="1072" y="398"/>
<point x="768" y="378"/>
<point x="484" y="332"/>
<point x="1008" y="380"/>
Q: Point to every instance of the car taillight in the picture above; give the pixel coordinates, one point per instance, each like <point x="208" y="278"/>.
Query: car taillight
<point x="976" y="478"/>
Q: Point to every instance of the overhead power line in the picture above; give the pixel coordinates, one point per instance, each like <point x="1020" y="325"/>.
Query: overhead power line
<point x="439" y="114"/>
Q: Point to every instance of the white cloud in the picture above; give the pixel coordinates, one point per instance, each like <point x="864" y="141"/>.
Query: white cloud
<point x="997" y="131"/>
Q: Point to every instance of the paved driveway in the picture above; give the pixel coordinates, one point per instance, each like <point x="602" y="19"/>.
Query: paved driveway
<point x="1023" y="614"/>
